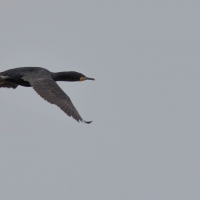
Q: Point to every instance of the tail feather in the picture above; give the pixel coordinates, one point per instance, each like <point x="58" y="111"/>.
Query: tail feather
<point x="7" y="84"/>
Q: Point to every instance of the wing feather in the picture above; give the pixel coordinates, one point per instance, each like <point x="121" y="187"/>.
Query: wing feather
<point x="49" y="90"/>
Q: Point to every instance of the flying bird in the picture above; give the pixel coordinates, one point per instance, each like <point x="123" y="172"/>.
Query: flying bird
<point x="44" y="83"/>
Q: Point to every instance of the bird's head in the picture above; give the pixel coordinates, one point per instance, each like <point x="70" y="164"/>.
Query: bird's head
<point x="76" y="76"/>
<point x="70" y="76"/>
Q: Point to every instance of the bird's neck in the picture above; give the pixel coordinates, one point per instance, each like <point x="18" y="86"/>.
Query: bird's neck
<point x="61" y="76"/>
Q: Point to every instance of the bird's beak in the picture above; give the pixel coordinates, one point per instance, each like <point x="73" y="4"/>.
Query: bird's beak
<point x="86" y="78"/>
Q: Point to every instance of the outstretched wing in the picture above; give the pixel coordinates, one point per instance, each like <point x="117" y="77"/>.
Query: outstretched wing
<point x="48" y="89"/>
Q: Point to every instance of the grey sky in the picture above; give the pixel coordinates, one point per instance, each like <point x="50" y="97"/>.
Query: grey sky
<point x="144" y="139"/>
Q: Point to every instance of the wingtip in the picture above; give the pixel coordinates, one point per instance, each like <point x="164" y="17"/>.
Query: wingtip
<point x="87" y="122"/>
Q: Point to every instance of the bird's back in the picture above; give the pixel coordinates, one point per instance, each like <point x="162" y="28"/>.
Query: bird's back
<point x="15" y="75"/>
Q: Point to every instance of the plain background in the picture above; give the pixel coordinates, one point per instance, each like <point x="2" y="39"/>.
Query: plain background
<point x="144" y="142"/>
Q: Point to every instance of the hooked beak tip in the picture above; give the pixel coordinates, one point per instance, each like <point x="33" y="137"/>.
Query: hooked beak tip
<point x="90" y="79"/>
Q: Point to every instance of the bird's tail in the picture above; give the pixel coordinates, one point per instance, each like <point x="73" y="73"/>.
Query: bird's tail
<point x="4" y="83"/>
<point x="1" y="80"/>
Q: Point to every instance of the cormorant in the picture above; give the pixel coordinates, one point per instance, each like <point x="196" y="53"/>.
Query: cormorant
<point x="44" y="83"/>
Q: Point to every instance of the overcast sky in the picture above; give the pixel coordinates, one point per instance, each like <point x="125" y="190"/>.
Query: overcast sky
<point x="144" y="141"/>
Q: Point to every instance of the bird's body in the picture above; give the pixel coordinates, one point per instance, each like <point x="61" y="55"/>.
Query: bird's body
<point x="16" y="75"/>
<point x="44" y="83"/>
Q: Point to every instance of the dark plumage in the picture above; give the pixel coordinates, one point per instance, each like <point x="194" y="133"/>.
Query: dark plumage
<point x="44" y="83"/>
